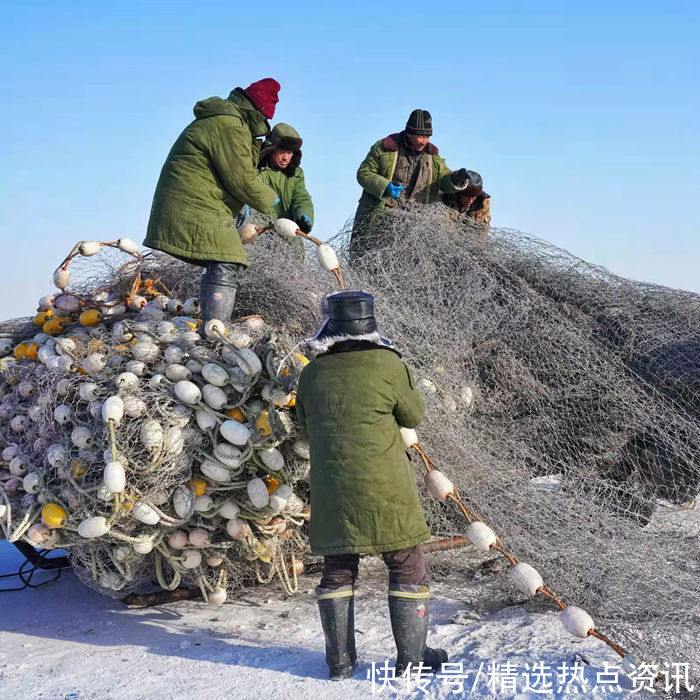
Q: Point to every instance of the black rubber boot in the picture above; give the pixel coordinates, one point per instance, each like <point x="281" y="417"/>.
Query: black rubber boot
<point x="216" y="302"/>
<point x="217" y="290"/>
<point x="409" y="610"/>
<point x="337" y="609"/>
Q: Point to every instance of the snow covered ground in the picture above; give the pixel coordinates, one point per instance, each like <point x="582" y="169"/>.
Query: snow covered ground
<point x="66" y="641"/>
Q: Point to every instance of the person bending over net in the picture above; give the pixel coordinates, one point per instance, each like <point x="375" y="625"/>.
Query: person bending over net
<point x="471" y="206"/>
<point x="209" y="174"/>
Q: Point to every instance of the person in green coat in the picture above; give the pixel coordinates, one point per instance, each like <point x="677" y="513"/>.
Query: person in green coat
<point x="401" y="169"/>
<point x="209" y="175"/>
<point x="279" y="164"/>
<point x="351" y="402"/>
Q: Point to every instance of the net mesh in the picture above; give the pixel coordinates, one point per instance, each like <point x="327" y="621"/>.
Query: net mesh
<point x="562" y="400"/>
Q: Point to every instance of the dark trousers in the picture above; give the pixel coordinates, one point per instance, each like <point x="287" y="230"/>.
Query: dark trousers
<point x="406" y="567"/>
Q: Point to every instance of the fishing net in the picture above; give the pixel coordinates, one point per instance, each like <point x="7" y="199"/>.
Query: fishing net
<point x="562" y="401"/>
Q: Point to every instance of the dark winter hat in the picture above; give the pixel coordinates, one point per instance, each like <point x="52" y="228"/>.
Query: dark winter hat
<point x="263" y="94"/>
<point x="348" y="313"/>
<point x="475" y="184"/>
<point x="420" y="123"/>
<point x="351" y="313"/>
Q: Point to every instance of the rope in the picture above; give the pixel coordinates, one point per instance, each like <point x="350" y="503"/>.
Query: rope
<point x="471" y="516"/>
<point x="159" y="556"/>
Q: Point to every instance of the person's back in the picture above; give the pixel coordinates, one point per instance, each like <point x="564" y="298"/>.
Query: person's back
<point x="209" y="174"/>
<point x="351" y="402"/>
<point x="354" y="399"/>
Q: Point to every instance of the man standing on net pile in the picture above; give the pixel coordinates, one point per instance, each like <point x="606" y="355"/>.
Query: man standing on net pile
<point x="399" y="169"/>
<point x="209" y="174"/>
<point x="351" y="401"/>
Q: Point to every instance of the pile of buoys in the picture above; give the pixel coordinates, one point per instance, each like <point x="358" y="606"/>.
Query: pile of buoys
<point x="150" y="445"/>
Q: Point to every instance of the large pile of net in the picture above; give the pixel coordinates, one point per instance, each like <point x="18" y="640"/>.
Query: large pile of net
<point x="149" y="446"/>
<point x="563" y="402"/>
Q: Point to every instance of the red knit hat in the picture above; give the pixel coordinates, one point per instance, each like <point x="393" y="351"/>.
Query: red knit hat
<point x="263" y="95"/>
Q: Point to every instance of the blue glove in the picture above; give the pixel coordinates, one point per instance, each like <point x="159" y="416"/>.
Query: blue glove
<point x="394" y="191"/>
<point x="243" y="216"/>
<point x="304" y="223"/>
<point x="276" y="202"/>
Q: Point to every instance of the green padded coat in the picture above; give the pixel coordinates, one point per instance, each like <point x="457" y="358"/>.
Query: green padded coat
<point x="363" y="489"/>
<point x="209" y="174"/>
<point x="377" y="170"/>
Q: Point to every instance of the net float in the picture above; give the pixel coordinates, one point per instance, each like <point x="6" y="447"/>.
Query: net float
<point x="96" y="526"/>
<point x="143" y="512"/>
<point x="481" y="536"/>
<point x="174" y="306"/>
<point x="151" y="434"/>
<point x="272" y="458"/>
<point x="438" y="485"/>
<point x="327" y="257"/>
<point x="191" y="306"/>
<point x="177" y="373"/>
<point x="286" y="228"/>
<point x="145" y="351"/>
<point x="215" y="374"/>
<point x="526" y="578"/>
<point x="61" y="277"/>
<point x="280" y="497"/>
<point x="178" y="539"/>
<point x="214" y="471"/>
<point x="82" y="437"/>
<point x="577" y="621"/>
<point x="234" y="432"/>
<point x="237" y="528"/>
<point x="31" y="483"/>
<point x="53" y="516"/>
<point x="63" y="414"/>
<point x="128" y="245"/>
<point x="114" y="477"/>
<point x="257" y="492"/>
<point x="229" y="510"/>
<point x="228" y="454"/>
<point x="112" y="409"/>
<point x="187" y="392"/>
<point x="198" y="537"/>
<point x="38" y="533"/>
<point x="214" y="329"/>
<point x="67" y="303"/>
<point x="191" y="558"/>
<point x="134" y="407"/>
<point x="217" y="596"/>
<point x="18" y="466"/>
<point x="183" y="502"/>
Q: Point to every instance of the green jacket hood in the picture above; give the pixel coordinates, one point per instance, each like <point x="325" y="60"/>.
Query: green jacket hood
<point x="285" y="137"/>
<point x="235" y="105"/>
<point x="214" y="107"/>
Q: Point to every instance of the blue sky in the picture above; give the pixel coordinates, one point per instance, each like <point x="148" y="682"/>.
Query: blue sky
<point x="582" y="118"/>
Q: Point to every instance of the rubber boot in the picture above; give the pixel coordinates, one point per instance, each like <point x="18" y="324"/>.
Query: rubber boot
<point x="216" y="301"/>
<point x="337" y="609"/>
<point x="410" y="613"/>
